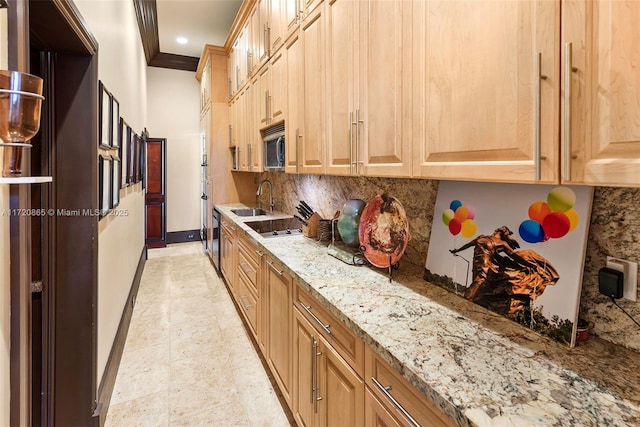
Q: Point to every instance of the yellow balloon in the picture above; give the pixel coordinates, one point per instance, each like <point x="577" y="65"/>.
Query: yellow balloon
<point x="468" y="228"/>
<point x="561" y="199"/>
<point x="574" y="219"/>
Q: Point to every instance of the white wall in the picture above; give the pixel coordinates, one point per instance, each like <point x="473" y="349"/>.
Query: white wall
<point x="122" y="68"/>
<point x="5" y="339"/>
<point x="174" y="110"/>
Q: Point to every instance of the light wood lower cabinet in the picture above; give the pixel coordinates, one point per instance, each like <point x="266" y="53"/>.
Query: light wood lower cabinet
<point x="376" y="414"/>
<point x="408" y="406"/>
<point x="326" y="374"/>
<point x="229" y="253"/>
<point x="327" y="391"/>
<point x="249" y="287"/>
<point x="279" y="291"/>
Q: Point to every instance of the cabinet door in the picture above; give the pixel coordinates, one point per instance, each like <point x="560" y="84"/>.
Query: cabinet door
<point x="276" y="24"/>
<point x="482" y="109"/>
<point x="291" y="16"/>
<point x="294" y="110"/>
<point x="305" y="349"/>
<point x="342" y="72"/>
<point x="601" y="145"/>
<point x="228" y="247"/>
<point x="262" y="96"/>
<point x="383" y="115"/>
<point x="263" y="45"/>
<point x="254" y="38"/>
<point x="340" y="393"/>
<point x="277" y="88"/>
<point x="312" y="140"/>
<point x="279" y="286"/>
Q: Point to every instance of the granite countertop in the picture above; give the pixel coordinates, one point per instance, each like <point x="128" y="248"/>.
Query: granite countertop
<point x="477" y="367"/>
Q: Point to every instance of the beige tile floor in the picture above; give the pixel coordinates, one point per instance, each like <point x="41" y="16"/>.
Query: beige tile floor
<point x="187" y="360"/>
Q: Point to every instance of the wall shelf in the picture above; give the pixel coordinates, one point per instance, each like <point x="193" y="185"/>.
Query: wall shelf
<point x="26" y="180"/>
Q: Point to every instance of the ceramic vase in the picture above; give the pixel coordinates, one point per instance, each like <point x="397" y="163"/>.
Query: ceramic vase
<point x="349" y="221"/>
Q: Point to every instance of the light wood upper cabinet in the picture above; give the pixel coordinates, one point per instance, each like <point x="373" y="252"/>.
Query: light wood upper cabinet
<point x="276" y="25"/>
<point x="277" y="87"/>
<point x="295" y="107"/>
<point x="291" y="16"/>
<point x="311" y="146"/>
<point x="600" y="105"/>
<point x="482" y="108"/>
<point x="342" y="90"/>
<point x="369" y="87"/>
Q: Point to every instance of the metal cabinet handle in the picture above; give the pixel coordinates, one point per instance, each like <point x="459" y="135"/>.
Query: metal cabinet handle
<point x="358" y="161"/>
<point x="229" y="87"/>
<point x="314" y="378"/>
<point x="299" y="144"/>
<point x="351" y="123"/>
<point x="242" y="300"/>
<point x="260" y="254"/>
<point x="318" y="321"/>
<point x="268" y="40"/>
<point x="313" y="369"/>
<point x="269" y="112"/>
<point x="249" y="163"/>
<point x="569" y="68"/>
<point x="536" y="146"/>
<point x="385" y="391"/>
<point x="273" y="267"/>
<point x="237" y="77"/>
<point x="297" y="149"/>
<point x="230" y="135"/>
<point x="244" y="268"/>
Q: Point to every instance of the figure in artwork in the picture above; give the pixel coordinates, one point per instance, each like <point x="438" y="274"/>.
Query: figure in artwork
<point x="506" y="279"/>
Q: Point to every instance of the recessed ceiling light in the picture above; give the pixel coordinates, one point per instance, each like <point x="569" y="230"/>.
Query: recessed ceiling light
<point x="182" y="40"/>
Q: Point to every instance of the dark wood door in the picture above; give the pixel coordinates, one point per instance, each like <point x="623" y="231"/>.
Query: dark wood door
<point x="155" y="198"/>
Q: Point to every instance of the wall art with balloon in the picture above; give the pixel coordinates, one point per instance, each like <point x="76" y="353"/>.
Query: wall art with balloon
<point x="515" y="249"/>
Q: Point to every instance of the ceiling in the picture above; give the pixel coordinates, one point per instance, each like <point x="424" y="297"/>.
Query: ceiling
<point x="201" y="22"/>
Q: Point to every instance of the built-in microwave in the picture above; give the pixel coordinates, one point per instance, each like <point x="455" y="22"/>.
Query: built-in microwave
<point x="274" y="147"/>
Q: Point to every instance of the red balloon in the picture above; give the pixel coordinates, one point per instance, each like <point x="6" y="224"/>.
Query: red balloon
<point x="455" y="226"/>
<point x="556" y="224"/>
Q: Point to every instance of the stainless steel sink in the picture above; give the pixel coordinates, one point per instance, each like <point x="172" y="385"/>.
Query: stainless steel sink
<point x="276" y="227"/>
<point x="249" y="212"/>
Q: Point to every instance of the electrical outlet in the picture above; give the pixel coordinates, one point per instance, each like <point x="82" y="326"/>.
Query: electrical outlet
<point x="630" y="270"/>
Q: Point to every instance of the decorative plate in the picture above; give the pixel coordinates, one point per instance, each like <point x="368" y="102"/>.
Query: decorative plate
<point x="383" y="231"/>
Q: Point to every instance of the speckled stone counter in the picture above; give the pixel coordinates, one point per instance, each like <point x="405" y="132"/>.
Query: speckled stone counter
<point x="477" y="367"/>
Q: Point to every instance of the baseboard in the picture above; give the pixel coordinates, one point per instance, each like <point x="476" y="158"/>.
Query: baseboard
<point x="183" y="236"/>
<point x="108" y="381"/>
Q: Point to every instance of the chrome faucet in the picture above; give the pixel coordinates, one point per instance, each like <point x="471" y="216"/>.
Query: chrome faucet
<point x="259" y="193"/>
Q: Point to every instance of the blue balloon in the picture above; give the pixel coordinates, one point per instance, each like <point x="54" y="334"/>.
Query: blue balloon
<point x="531" y="231"/>
<point x="455" y="205"/>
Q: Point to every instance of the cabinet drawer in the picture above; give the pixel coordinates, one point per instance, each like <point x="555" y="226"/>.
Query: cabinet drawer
<point x="228" y="225"/>
<point x="403" y="400"/>
<point x="248" y="304"/>
<point x="376" y="414"/>
<point x="346" y="343"/>
<point x="248" y="265"/>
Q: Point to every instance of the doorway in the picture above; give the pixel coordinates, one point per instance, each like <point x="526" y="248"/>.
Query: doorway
<point x="155" y="201"/>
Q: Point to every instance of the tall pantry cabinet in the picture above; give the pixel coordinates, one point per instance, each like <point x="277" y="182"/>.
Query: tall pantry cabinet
<point x="214" y="126"/>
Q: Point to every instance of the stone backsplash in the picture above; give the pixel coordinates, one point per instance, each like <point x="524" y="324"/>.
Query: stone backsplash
<point x="614" y="231"/>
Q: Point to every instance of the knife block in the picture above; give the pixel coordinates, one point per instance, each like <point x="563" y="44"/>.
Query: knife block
<point x="311" y="229"/>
